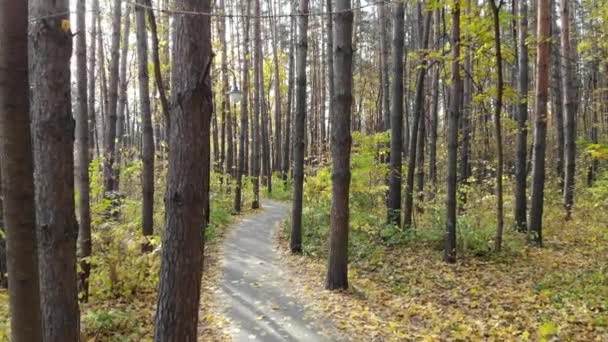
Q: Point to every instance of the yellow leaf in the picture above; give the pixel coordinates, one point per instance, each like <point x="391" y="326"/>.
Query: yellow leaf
<point x="65" y="25"/>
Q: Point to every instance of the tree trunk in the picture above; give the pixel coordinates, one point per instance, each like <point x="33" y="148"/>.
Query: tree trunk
<point x="522" y="118"/>
<point x="556" y="87"/>
<point x="242" y="167"/>
<point x="418" y="108"/>
<point x="386" y="110"/>
<point x="300" y="129"/>
<point x="277" y="93"/>
<point x="82" y="150"/>
<point x="53" y="142"/>
<point x="337" y="269"/>
<point x="122" y="96"/>
<point x="19" y="220"/>
<point x="498" y="126"/>
<point x="287" y="146"/>
<point x="396" y="124"/>
<point x="93" y="139"/>
<point x="570" y="104"/>
<point x="187" y="196"/>
<point x="452" y="140"/>
<point x="257" y="106"/>
<point x="158" y="76"/>
<point x="543" y="58"/>
<point x="147" y="155"/>
<point x="109" y="174"/>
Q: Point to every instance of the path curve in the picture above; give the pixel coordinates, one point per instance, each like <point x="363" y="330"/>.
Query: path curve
<point x="254" y="287"/>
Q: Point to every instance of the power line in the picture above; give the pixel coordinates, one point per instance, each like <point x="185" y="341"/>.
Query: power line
<point x="265" y="16"/>
<point x="224" y="15"/>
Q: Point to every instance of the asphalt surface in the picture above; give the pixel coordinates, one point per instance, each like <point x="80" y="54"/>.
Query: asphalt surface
<point x="254" y="290"/>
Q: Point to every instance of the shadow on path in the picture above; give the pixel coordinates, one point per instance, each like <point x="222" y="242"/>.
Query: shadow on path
<point x="253" y="290"/>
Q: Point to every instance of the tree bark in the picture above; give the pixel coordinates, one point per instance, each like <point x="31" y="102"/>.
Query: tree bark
<point x="287" y="146"/>
<point x="122" y="95"/>
<point x="19" y="219"/>
<point x="386" y="110"/>
<point x="82" y="150"/>
<point x="277" y="93"/>
<point x="257" y="107"/>
<point x="337" y="269"/>
<point x="53" y="142"/>
<point x="522" y="118"/>
<point x="543" y="58"/>
<point x="570" y="104"/>
<point x="498" y="126"/>
<point x="396" y="124"/>
<point x="93" y="138"/>
<point x="242" y="167"/>
<point x="418" y="108"/>
<point x="109" y="180"/>
<point x="146" y="121"/>
<point x="299" y="130"/>
<point x="452" y="139"/>
<point x="187" y="196"/>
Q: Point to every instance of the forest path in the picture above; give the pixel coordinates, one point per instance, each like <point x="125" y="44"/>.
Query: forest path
<point x="254" y="287"/>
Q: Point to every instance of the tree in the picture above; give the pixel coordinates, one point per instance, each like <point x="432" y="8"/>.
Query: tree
<point x="386" y="110"/>
<point x="543" y="57"/>
<point x="122" y="95"/>
<point x="17" y="174"/>
<point x="82" y="148"/>
<point x="295" y="243"/>
<point x="396" y="124"/>
<point x="109" y="174"/>
<point x="418" y="108"/>
<point x="452" y="139"/>
<point x="522" y="118"/>
<point x="570" y="104"/>
<point x="337" y="269"/>
<point x="242" y="166"/>
<point x="257" y="106"/>
<point x="497" y="122"/>
<point x="147" y="154"/>
<point x="287" y="146"/>
<point x="276" y="163"/>
<point x="187" y="196"/>
<point x="53" y="142"/>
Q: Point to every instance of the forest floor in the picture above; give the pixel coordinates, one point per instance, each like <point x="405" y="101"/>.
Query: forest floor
<point x="407" y="293"/>
<point x="255" y="290"/>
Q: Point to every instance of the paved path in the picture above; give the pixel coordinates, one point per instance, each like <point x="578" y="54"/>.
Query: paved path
<point x="254" y="287"/>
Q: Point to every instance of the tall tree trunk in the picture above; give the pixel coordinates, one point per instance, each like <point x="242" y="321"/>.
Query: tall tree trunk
<point x="337" y="268"/>
<point x="158" y="76"/>
<point x="242" y="167"/>
<point x="522" y="118"/>
<point x="257" y="106"/>
<point x="434" y="120"/>
<point x="330" y="64"/>
<point x="467" y="111"/>
<point x="277" y="92"/>
<point x="93" y="139"/>
<point x="396" y="124"/>
<point x="498" y="126"/>
<point x="452" y="139"/>
<point x="109" y="174"/>
<point x="386" y="110"/>
<point x="265" y="124"/>
<point x="147" y="155"/>
<point x="187" y="197"/>
<point x="418" y="108"/>
<point x="300" y="129"/>
<point x="82" y="150"/>
<point x="122" y="96"/>
<point x="226" y="144"/>
<point x="53" y="143"/>
<point x="19" y="219"/>
<point x="570" y="104"/>
<point x="556" y="94"/>
<point x="543" y="58"/>
<point x="287" y="146"/>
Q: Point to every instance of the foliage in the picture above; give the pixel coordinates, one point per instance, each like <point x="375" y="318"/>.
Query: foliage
<point x="402" y="290"/>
